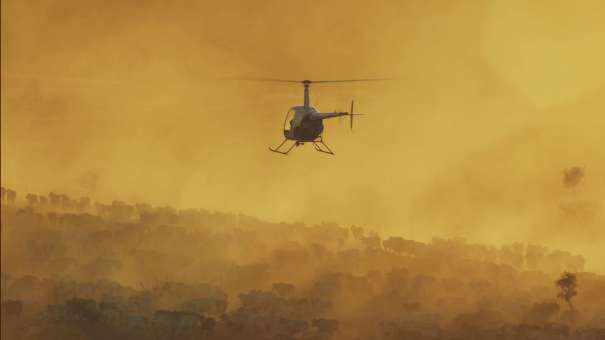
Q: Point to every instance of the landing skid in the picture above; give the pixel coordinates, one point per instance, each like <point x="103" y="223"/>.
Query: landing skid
<point x="277" y="149"/>
<point x="318" y="144"/>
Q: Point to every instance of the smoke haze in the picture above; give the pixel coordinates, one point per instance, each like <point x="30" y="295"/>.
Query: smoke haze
<point x="492" y="102"/>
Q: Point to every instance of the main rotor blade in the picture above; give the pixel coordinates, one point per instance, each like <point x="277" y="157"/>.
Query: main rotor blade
<point x="309" y="81"/>
<point x="348" y="80"/>
<point x="268" y="79"/>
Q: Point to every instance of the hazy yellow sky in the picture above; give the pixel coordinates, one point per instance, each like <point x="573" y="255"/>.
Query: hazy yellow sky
<point x="492" y="101"/>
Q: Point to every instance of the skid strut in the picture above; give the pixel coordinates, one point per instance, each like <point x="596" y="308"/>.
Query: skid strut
<point x="318" y="144"/>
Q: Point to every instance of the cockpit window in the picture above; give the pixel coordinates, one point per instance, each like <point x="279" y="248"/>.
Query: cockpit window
<point x="289" y="120"/>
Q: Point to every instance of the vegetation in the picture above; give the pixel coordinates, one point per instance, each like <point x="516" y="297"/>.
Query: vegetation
<point x="74" y="269"/>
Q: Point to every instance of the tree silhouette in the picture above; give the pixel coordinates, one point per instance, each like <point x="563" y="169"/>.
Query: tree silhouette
<point x="567" y="285"/>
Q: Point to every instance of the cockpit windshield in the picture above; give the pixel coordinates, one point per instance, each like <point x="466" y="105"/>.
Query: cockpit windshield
<point x="289" y="120"/>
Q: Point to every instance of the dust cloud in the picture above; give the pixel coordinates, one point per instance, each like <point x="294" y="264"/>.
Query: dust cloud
<point x="492" y="101"/>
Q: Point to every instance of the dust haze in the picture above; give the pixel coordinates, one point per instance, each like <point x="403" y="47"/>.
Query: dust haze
<point x="492" y="106"/>
<point x="72" y="269"/>
<point x="492" y="101"/>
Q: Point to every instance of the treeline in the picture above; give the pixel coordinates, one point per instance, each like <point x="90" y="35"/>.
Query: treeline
<point x="134" y="271"/>
<point x="61" y="210"/>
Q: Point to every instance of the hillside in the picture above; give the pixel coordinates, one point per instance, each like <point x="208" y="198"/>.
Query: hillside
<point x="72" y="269"/>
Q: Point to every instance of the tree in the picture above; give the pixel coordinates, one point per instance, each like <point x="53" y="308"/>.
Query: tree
<point x="357" y="232"/>
<point x="372" y="241"/>
<point x="55" y="200"/>
<point x="32" y="199"/>
<point x="567" y="284"/>
<point x="394" y="244"/>
<point x="11" y="196"/>
<point x="84" y="204"/>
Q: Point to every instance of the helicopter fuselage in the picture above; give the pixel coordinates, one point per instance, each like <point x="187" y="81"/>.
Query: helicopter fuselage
<point x="304" y="126"/>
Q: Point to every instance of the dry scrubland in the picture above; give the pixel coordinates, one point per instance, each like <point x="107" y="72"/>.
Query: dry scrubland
<point x="72" y="269"/>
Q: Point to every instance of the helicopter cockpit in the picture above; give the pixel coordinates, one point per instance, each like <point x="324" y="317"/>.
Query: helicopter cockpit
<point x="289" y="122"/>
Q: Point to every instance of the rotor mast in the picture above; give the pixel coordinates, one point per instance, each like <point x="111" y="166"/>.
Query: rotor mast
<point x="306" y="83"/>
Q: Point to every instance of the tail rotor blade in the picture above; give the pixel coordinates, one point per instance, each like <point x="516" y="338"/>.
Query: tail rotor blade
<point x="351" y="115"/>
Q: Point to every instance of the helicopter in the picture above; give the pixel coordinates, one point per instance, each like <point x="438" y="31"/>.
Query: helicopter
<point x="304" y="124"/>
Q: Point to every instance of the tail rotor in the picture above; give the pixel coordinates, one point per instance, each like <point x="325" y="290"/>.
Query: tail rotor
<point x="351" y="114"/>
